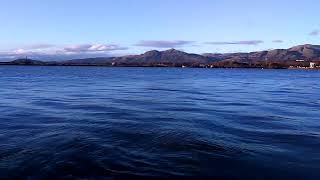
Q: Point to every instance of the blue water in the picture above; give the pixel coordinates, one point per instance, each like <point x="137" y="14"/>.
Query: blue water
<point x="96" y="122"/>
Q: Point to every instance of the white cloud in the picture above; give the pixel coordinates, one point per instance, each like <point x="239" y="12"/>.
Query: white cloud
<point x="21" y="51"/>
<point x="93" y="48"/>
<point x="52" y="52"/>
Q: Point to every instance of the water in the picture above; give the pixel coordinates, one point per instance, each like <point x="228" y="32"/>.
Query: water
<point x="95" y="122"/>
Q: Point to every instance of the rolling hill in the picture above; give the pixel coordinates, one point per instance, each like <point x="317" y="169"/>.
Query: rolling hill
<point x="176" y="58"/>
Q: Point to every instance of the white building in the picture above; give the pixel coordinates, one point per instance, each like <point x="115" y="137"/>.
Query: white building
<point x="312" y="65"/>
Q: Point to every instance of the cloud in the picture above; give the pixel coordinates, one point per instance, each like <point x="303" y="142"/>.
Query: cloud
<point x="52" y="52"/>
<point x="315" y="33"/>
<point x="93" y="48"/>
<point x="40" y="46"/>
<point x="277" y="41"/>
<point x="248" y="42"/>
<point x="163" y="44"/>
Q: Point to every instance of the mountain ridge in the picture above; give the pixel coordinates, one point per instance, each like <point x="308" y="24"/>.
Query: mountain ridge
<point x="175" y="58"/>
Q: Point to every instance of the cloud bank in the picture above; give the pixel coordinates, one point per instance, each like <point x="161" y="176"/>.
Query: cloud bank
<point x="52" y="52"/>
<point x="247" y="42"/>
<point x="93" y="48"/>
<point x="164" y="44"/>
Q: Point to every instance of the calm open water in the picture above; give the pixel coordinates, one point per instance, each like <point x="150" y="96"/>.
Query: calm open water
<point x="95" y="122"/>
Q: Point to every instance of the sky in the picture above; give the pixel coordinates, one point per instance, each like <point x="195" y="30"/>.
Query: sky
<point x="68" y="29"/>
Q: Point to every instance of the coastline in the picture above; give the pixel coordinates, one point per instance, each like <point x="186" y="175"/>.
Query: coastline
<point x="133" y="66"/>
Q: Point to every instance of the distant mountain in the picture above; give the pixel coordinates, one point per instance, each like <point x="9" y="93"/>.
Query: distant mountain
<point x="26" y="62"/>
<point x="302" y="52"/>
<point x="171" y="56"/>
<point x="277" y="58"/>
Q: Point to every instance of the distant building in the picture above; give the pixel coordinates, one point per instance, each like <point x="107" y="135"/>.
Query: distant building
<point x="312" y="65"/>
<point x="300" y="60"/>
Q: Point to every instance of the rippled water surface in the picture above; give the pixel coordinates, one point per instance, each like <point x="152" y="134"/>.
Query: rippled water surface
<point x="95" y="122"/>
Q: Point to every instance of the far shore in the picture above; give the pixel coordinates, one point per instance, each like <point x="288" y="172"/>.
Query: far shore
<point x="128" y="66"/>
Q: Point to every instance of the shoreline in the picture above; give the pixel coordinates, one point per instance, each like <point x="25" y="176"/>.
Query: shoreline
<point x="48" y="65"/>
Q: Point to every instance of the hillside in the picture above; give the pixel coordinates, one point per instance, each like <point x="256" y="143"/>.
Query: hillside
<point x="302" y="52"/>
<point x="277" y="58"/>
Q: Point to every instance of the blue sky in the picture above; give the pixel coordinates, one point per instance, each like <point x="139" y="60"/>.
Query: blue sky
<point x="73" y="28"/>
